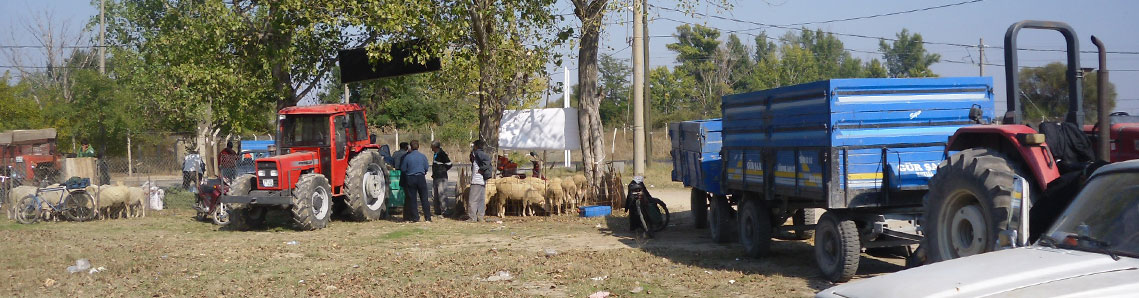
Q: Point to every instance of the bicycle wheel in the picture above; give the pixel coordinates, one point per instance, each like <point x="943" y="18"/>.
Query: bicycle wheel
<point x="648" y="232"/>
<point x="28" y="210"/>
<point x="664" y="215"/>
<point x="79" y="206"/>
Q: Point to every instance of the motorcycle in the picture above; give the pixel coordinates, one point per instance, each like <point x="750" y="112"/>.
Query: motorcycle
<point x="646" y="213"/>
<point x="208" y="201"/>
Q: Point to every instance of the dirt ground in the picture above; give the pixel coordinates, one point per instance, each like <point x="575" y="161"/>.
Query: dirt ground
<point x="170" y="254"/>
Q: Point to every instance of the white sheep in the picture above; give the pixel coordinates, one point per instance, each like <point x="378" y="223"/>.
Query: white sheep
<point x="112" y="201"/>
<point x="14" y="196"/>
<point x="555" y="196"/>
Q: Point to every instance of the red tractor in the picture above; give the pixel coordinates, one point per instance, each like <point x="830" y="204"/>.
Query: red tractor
<point x="327" y="162"/>
<point x="996" y="177"/>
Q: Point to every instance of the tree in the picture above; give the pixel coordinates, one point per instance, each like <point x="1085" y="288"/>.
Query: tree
<point x="1045" y="93"/>
<point x="906" y="56"/>
<point x="616" y="83"/>
<point x="591" y="14"/>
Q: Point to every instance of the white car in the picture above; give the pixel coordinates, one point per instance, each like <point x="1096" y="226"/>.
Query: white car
<point x="1091" y="251"/>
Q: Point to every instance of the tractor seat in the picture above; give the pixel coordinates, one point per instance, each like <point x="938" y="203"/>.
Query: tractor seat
<point x="1069" y="145"/>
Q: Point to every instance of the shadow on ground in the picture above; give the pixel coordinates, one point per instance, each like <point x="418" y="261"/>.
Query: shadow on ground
<point x="682" y="243"/>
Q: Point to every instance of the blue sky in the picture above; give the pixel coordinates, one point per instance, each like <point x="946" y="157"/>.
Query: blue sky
<point x="1112" y="21"/>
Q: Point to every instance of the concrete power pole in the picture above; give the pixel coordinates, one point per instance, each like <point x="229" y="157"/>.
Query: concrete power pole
<point x="638" y="89"/>
<point x="566" y="105"/>
<point x="102" y="37"/>
<point x="981" y="64"/>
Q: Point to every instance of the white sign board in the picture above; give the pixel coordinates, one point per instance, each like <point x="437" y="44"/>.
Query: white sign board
<point x="539" y="129"/>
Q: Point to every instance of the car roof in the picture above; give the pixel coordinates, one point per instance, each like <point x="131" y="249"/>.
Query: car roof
<point x="322" y="109"/>
<point x="1123" y="166"/>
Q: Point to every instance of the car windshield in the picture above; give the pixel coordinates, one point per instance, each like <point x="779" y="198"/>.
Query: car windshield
<point x="305" y="131"/>
<point x="1103" y="218"/>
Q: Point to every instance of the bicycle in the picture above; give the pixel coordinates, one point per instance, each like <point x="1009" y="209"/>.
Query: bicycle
<point x="646" y="213"/>
<point x="75" y="204"/>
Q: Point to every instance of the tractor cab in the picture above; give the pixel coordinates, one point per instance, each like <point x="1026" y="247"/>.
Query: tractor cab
<point x="325" y="157"/>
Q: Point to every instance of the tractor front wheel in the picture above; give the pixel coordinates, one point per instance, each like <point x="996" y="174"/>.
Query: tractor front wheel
<point x="312" y="202"/>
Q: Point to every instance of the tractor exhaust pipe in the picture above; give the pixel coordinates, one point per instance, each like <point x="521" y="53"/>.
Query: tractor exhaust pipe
<point x="1103" y="136"/>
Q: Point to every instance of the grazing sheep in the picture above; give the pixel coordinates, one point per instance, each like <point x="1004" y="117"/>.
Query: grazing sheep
<point x="570" y="197"/>
<point x="508" y="191"/>
<point x="554" y="196"/>
<point x="113" y="201"/>
<point x="136" y="203"/>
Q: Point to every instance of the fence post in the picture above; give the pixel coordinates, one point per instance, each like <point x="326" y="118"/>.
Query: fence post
<point x="130" y="160"/>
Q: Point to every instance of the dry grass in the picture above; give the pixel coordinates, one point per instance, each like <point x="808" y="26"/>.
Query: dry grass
<point x="171" y="254"/>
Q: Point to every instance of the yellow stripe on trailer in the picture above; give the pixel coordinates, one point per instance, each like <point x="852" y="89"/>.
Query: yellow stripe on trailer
<point x="864" y="176"/>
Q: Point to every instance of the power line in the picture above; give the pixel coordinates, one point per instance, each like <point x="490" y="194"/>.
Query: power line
<point x="765" y="25"/>
<point x="41" y="46"/>
<point x="887" y="14"/>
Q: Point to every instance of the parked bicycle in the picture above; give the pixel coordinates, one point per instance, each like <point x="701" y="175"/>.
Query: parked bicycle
<point x="75" y="204"/>
<point x="646" y="213"/>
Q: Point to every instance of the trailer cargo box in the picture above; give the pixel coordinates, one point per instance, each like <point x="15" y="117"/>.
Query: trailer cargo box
<point x="847" y="143"/>
<point x="696" y="154"/>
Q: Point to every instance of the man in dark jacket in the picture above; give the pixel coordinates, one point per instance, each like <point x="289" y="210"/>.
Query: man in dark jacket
<point x="440" y="164"/>
<point x="415" y="166"/>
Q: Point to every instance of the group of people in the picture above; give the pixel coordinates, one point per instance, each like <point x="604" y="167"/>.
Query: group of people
<point x="414" y="167"/>
<point x="194" y="168"/>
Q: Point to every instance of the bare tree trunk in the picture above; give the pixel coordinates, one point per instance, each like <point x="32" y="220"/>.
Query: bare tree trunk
<point x="589" y="118"/>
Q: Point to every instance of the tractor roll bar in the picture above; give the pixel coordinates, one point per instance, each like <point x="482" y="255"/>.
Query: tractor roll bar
<point x="1012" y="75"/>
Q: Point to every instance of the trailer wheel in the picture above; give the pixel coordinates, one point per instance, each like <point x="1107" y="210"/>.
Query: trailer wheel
<point x="805" y="216"/>
<point x="837" y="247"/>
<point x="312" y="202"/>
<point x="366" y="186"/>
<point x="968" y="203"/>
<point x="755" y="227"/>
<point x="721" y="221"/>
<point x="699" y="199"/>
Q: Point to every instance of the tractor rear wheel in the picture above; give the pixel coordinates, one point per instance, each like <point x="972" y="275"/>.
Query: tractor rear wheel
<point x="755" y="227"/>
<point x="968" y="204"/>
<point x="721" y="220"/>
<point x="699" y="200"/>
<point x="366" y="187"/>
<point x="312" y="202"/>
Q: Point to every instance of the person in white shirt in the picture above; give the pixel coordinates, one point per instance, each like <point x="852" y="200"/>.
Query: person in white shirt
<point x="192" y="169"/>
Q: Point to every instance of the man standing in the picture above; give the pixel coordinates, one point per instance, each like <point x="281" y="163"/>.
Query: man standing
<point x="480" y="172"/>
<point x="440" y="164"/>
<point x="414" y="166"/>
<point x="192" y="167"/>
<point x="227" y="161"/>
<point x="398" y="155"/>
<point x="85" y="150"/>
<point x="536" y="164"/>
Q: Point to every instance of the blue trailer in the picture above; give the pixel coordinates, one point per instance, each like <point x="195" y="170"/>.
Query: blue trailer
<point x="696" y="162"/>
<point x="863" y="150"/>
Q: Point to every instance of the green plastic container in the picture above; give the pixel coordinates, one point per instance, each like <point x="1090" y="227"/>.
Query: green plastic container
<point x="397" y="195"/>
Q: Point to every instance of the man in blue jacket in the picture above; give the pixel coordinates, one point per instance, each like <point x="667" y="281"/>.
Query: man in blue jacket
<point x="415" y="166"/>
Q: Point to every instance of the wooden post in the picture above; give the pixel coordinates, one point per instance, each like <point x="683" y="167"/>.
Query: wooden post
<point x="130" y="159"/>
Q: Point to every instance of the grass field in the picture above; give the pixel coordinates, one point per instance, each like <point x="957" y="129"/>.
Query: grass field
<point x="170" y="254"/>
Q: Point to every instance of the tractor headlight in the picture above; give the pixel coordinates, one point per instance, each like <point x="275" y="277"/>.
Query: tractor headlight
<point x="273" y="173"/>
<point x="267" y="182"/>
<point x="260" y="172"/>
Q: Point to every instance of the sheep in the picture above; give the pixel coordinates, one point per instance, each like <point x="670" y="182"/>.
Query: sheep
<point x="555" y="195"/>
<point x="507" y="190"/>
<point x="136" y="203"/>
<point x="14" y="196"/>
<point x="113" y="201"/>
<point x="570" y="196"/>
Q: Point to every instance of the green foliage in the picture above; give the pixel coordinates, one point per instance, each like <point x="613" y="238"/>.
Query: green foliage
<point x="18" y="111"/>
<point x="1045" y="94"/>
<point x="906" y="57"/>
<point x="615" y="78"/>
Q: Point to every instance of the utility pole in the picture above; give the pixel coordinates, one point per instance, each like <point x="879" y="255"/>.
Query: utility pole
<point x="648" y="103"/>
<point x="345" y="100"/>
<point x="638" y="89"/>
<point x="566" y="105"/>
<point x="981" y="63"/>
<point x="102" y="37"/>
